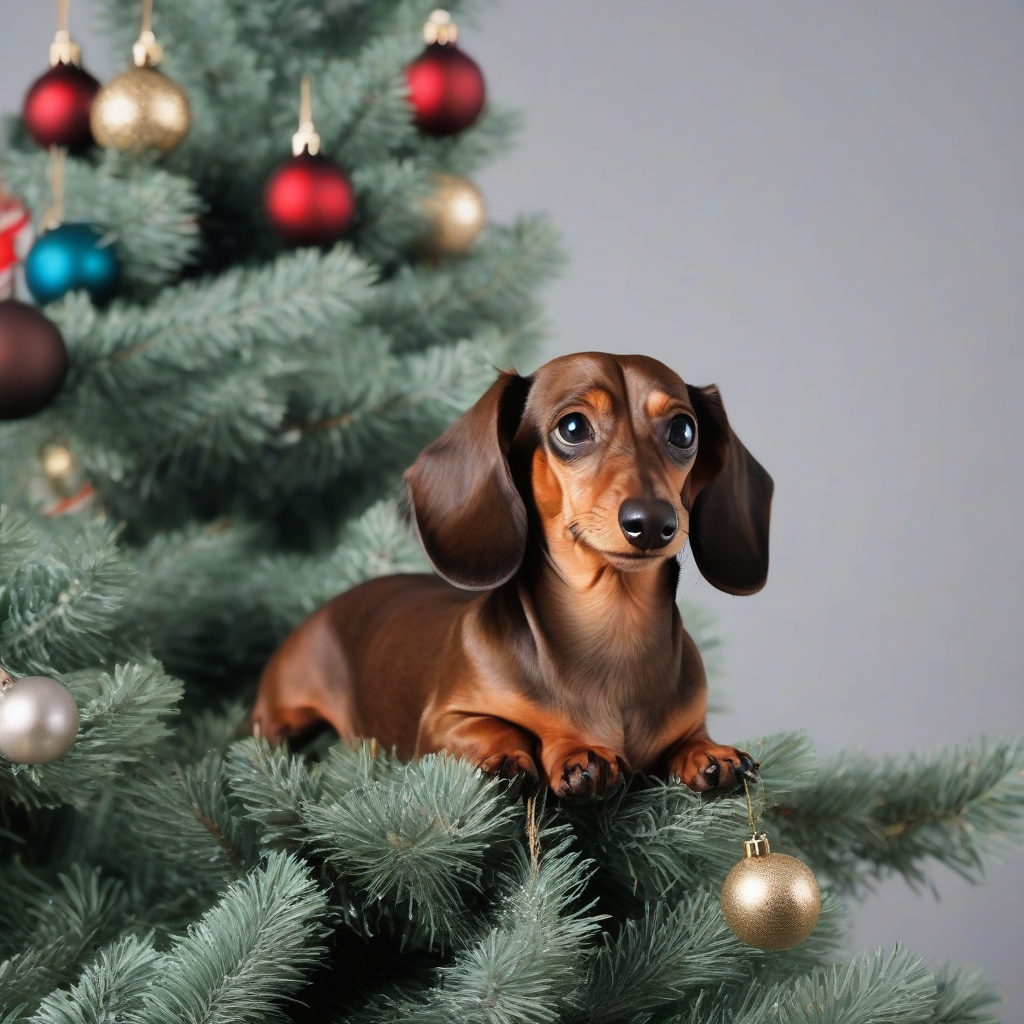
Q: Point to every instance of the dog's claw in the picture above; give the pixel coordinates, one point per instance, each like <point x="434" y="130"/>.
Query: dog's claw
<point x="748" y="766"/>
<point x="517" y="770"/>
<point x="590" y="773"/>
<point x="707" y="767"/>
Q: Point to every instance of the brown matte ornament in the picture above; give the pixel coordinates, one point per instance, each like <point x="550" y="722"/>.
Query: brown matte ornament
<point x="456" y="213"/>
<point x="770" y="900"/>
<point x="33" y="360"/>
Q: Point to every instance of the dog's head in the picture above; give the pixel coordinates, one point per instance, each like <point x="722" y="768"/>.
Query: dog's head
<point x="613" y="459"/>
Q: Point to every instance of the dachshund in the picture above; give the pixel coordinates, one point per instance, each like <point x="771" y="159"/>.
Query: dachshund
<point x="549" y="647"/>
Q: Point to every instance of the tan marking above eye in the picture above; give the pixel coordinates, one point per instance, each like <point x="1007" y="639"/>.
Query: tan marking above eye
<point x="659" y="404"/>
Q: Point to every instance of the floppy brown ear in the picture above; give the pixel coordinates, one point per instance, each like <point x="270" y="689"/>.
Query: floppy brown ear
<point x="470" y="517"/>
<point x="732" y="496"/>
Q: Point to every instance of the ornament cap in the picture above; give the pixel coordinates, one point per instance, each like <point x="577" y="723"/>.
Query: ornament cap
<point x="63" y="50"/>
<point x="440" y="28"/>
<point x="146" y="51"/>
<point x="757" y="846"/>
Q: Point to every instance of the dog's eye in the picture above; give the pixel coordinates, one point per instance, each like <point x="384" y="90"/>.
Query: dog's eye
<point x="682" y="432"/>
<point x="574" y="428"/>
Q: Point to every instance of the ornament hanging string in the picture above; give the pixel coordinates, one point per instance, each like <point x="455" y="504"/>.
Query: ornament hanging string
<point x="750" y="809"/>
<point x="533" y="835"/>
<point x="306" y="139"/>
<point x="54" y="216"/>
<point x="147" y="52"/>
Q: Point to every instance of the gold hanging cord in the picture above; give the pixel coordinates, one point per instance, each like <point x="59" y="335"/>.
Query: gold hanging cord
<point x="54" y="216"/>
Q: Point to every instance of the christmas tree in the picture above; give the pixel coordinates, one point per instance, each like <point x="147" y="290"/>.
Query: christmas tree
<point x="224" y="456"/>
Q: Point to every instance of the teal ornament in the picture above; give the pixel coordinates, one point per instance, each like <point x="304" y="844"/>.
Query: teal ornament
<point x="69" y="257"/>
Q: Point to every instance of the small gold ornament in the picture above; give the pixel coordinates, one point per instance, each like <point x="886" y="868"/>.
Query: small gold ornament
<point x="770" y="900"/>
<point x="142" y="108"/>
<point x="456" y="213"/>
<point x="61" y="467"/>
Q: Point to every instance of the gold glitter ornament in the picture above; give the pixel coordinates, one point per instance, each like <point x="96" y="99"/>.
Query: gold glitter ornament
<point x="770" y="900"/>
<point x="142" y="108"/>
<point x="456" y="213"/>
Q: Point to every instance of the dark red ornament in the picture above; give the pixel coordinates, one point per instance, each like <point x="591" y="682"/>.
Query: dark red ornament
<point x="33" y="360"/>
<point x="57" y="106"/>
<point x="446" y="89"/>
<point x="309" y="200"/>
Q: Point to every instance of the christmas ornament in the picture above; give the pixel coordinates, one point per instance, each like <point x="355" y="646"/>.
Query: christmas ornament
<point x="15" y="239"/>
<point x="446" y="87"/>
<point x="38" y="719"/>
<point x="308" y="199"/>
<point x="769" y="900"/>
<point x="69" y="257"/>
<point x="456" y="213"/>
<point x="62" y="487"/>
<point x="33" y="360"/>
<point x="142" y="108"/>
<point x="57" y="105"/>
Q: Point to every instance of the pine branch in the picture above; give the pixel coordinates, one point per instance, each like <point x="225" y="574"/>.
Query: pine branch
<point x="59" y="607"/>
<point x="114" y="984"/>
<point x="66" y="926"/>
<point x="528" y="968"/>
<point x="245" y="956"/>
<point x="860" y="819"/>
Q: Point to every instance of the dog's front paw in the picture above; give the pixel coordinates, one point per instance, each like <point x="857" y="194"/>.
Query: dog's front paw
<point x="707" y="767"/>
<point x="590" y="772"/>
<point x="517" y="768"/>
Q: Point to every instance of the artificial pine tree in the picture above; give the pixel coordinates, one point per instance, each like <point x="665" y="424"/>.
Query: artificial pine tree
<point x="224" y="457"/>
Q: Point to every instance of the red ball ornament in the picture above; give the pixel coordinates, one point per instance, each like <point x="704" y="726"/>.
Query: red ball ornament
<point x="446" y="86"/>
<point x="33" y="360"/>
<point x="57" y="106"/>
<point x="309" y="200"/>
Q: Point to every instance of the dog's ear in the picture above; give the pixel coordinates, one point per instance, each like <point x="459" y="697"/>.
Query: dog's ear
<point x="470" y="517"/>
<point x="731" y="496"/>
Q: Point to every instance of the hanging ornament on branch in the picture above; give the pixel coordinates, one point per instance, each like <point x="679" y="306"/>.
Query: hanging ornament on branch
<point x="57" y="105"/>
<point x="142" y="108"/>
<point x="38" y="719"/>
<point x="67" y="257"/>
<point x="33" y="360"/>
<point x="456" y="214"/>
<point x="308" y="199"/>
<point x="446" y="86"/>
<point x="769" y="900"/>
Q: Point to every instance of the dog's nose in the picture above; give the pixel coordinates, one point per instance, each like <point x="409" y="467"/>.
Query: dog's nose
<point x="648" y="524"/>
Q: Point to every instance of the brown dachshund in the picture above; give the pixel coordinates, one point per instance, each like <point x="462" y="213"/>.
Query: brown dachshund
<point x="563" y="500"/>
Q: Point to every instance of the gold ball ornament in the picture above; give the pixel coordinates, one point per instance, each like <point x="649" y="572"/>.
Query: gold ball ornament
<point x="139" y="110"/>
<point x="456" y="213"/>
<point x="770" y="900"/>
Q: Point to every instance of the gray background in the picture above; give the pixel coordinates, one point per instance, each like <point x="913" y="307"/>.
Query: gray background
<point x="816" y="205"/>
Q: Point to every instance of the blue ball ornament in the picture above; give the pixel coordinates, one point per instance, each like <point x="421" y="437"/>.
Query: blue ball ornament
<point x="69" y="257"/>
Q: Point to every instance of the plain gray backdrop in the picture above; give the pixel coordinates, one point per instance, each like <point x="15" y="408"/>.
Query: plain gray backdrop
<point x="817" y="206"/>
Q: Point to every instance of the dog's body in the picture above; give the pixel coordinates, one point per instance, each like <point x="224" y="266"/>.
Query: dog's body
<point x="565" y="497"/>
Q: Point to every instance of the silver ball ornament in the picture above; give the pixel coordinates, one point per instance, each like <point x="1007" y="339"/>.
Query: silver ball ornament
<point x="38" y="720"/>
